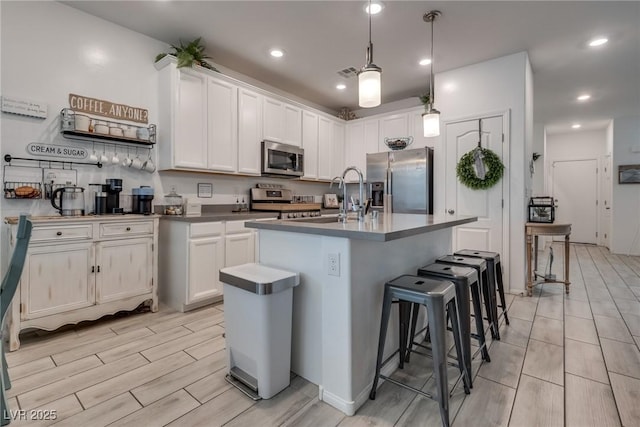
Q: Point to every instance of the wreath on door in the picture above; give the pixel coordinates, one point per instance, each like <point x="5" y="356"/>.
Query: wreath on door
<point x="480" y="168"/>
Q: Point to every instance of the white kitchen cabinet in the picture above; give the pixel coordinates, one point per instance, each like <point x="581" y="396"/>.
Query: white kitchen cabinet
<point x="124" y="268"/>
<point x="249" y="131"/>
<point x="310" y="144"/>
<point x="325" y="148"/>
<point x="83" y="269"/>
<point x="239" y="244"/>
<point x="361" y="139"/>
<point x="191" y="254"/>
<point x="56" y="279"/>
<point x="190" y="137"/>
<point x="222" y="125"/>
<point x="338" y="164"/>
<point x="393" y="126"/>
<point x="206" y="258"/>
<point x="282" y="122"/>
<point x="292" y="125"/>
<point x="272" y="119"/>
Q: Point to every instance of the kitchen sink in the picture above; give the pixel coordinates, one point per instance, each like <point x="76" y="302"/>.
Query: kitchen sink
<point x="318" y="219"/>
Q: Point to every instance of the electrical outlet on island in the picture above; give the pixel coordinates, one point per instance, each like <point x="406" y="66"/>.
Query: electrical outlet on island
<point x="333" y="264"/>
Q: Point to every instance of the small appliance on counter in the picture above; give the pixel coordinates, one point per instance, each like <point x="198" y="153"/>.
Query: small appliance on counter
<point x="192" y="207"/>
<point x="173" y="202"/>
<point x="114" y="187"/>
<point x="142" y="198"/>
<point x="71" y="200"/>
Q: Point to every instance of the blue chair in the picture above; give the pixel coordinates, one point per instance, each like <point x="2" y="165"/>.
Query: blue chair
<point x="7" y="291"/>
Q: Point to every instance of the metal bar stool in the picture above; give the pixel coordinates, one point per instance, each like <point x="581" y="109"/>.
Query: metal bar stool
<point x="439" y="297"/>
<point x="495" y="274"/>
<point x="486" y="285"/>
<point x="464" y="279"/>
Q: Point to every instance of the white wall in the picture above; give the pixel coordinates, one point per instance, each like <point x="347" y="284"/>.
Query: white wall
<point x="538" y="166"/>
<point x="495" y="86"/>
<point x="625" y="231"/>
<point x="575" y="146"/>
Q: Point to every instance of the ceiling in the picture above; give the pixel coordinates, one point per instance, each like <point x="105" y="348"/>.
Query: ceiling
<point x="321" y="37"/>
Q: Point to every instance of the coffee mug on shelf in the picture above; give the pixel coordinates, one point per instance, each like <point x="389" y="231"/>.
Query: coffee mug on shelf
<point x="143" y="134"/>
<point x="82" y="122"/>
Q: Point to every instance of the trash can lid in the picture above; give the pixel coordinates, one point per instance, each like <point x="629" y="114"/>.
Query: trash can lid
<point x="259" y="279"/>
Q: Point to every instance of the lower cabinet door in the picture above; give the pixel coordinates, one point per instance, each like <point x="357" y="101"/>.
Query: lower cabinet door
<point x="239" y="249"/>
<point x="56" y="279"/>
<point x="124" y="268"/>
<point x="206" y="258"/>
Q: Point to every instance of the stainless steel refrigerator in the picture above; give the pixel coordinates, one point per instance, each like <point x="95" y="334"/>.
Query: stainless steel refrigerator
<point x="403" y="179"/>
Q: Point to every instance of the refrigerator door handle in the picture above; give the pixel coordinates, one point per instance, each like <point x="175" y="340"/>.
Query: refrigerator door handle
<point x="388" y="199"/>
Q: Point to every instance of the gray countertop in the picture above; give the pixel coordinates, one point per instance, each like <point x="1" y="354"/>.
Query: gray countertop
<point x="386" y="227"/>
<point x="220" y="216"/>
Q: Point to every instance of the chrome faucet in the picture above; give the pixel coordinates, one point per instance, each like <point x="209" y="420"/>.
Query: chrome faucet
<point x="360" y="207"/>
<point x="342" y="216"/>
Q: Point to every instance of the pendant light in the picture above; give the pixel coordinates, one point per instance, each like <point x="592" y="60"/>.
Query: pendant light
<point x="431" y="118"/>
<point x="369" y="77"/>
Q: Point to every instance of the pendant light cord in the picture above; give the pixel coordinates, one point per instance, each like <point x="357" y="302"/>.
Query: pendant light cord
<point x="431" y="68"/>
<point x="370" y="47"/>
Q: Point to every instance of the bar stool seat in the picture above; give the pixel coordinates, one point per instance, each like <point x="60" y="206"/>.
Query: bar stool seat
<point x="495" y="274"/>
<point x="439" y="297"/>
<point x="465" y="279"/>
<point x="480" y="265"/>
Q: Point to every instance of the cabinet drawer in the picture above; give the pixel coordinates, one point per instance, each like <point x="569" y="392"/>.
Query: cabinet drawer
<point x="121" y="229"/>
<point x="61" y="233"/>
<point x="233" y="227"/>
<point x="206" y="229"/>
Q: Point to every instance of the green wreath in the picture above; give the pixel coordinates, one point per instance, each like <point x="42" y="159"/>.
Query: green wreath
<point x="467" y="175"/>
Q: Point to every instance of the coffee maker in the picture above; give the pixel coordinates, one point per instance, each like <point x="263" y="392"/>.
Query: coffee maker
<point x="113" y="189"/>
<point x="142" y="198"/>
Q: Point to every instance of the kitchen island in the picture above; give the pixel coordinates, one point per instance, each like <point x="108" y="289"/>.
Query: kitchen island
<point x="337" y="306"/>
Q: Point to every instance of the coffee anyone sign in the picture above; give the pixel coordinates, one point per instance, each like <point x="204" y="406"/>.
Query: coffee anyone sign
<point x="100" y="107"/>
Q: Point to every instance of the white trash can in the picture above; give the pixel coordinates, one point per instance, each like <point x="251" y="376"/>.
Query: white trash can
<point x="258" y="308"/>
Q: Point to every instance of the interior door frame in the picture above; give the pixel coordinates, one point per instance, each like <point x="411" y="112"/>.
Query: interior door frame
<point x="506" y="180"/>
<point x="598" y="190"/>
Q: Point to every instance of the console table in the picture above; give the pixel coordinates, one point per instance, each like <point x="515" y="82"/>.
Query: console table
<point x="532" y="231"/>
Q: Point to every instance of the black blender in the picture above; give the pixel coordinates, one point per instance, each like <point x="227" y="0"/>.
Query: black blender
<point x="113" y="189"/>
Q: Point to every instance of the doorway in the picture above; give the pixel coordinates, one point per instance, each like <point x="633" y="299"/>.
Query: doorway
<point x="575" y="191"/>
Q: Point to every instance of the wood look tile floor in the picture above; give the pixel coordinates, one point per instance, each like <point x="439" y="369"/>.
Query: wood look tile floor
<point x="565" y="360"/>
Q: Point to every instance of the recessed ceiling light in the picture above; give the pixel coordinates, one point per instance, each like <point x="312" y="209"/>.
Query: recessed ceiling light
<point x="598" y="42"/>
<point x="341" y="86"/>
<point x="576" y="126"/>
<point x="584" y="97"/>
<point x="425" y="61"/>
<point x="376" y="7"/>
<point x="277" y="53"/>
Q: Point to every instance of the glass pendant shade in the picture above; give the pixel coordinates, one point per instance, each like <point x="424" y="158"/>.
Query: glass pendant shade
<point x="369" y="86"/>
<point x="431" y="123"/>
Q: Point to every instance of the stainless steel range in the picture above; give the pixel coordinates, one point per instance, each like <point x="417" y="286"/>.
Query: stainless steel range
<point x="276" y="198"/>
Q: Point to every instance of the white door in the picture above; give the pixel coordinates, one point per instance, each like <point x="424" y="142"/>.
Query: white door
<point x="574" y="191"/>
<point x="239" y="249"/>
<point x="273" y="119"/>
<point x="292" y="132"/>
<point x="486" y="233"/>
<point x="605" y="223"/>
<point x="123" y="268"/>
<point x="338" y="165"/>
<point x="393" y="126"/>
<point x="310" y="144"/>
<point x="325" y="148"/>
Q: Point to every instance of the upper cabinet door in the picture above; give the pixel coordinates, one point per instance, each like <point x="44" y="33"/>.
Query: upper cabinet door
<point x="190" y="138"/>
<point x="292" y="125"/>
<point x="338" y="165"/>
<point x="249" y="131"/>
<point x="394" y="126"/>
<point x="222" y="125"/>
<point x="325" y="148"/>
<point x="310" y="144"/>
<point x="273" y="119"/>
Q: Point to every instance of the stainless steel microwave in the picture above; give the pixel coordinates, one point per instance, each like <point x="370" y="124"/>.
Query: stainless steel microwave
<point x="283" y="160"/>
